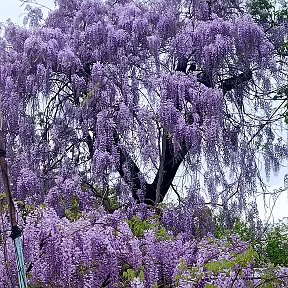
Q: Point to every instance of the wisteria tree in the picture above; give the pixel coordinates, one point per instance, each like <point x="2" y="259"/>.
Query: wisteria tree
<point x="108" y="103"/>
<point x="122" y="96"/>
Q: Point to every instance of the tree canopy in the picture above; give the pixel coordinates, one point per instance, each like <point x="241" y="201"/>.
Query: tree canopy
<point x="124" y="93"/>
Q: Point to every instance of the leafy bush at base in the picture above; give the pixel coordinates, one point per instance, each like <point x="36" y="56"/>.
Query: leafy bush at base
<point x="275" y="245"/>
<point x="128" y="249"/>
<point x="272" y="245"/>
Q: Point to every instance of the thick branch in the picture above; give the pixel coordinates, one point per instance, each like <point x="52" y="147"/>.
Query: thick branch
<point x="164" y="176"/>
<point x="204" y="77"/>
<point x="233" y="82"/>
<point x="135" y="173"/>
<point x="161" y="170"/>
<point x="6" y="184"/>
<point x="182" y="64"/>
<point x="170" y="168"/>
<point x="105" y="200"/>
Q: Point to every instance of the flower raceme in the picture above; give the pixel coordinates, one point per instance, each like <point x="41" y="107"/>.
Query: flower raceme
<point x="128" y="251"/>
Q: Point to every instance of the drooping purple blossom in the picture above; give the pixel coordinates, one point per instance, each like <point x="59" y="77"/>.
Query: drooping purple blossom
<point x="87" y="100"/>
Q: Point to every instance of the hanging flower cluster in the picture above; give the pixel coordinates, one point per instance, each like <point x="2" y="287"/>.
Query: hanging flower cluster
<point x="128" y="249"/>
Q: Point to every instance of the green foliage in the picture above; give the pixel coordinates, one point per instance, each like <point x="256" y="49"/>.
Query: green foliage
<point x="162" y="234"/>
<point x="3" y="202"/>
<point x="282" y="13"/>
<point x="272" y="248"/>
<point x="113" y="204"/>
<point x="219" y="266"/>
<point x="269" y="278"/>
<point x="268" y="11"/>
<point x="73" y="213"/>
<point x="241" y="260"/>
<point x="260" y="9"/>
<point x="240" y="227"/>
<point x="129" y="274"/>
<point x="273" y="13"/>
<point x="186" y="273"/>
<point x="25" y="209"/>
<point x="195" y="274"/>
<point x="139" y="227"/>
<point x="277" y="245"/>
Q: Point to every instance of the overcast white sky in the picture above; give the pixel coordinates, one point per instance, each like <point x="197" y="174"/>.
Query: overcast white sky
<point x="12" y="9"/>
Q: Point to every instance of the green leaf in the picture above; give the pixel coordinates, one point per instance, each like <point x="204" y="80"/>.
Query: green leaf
<point x="129" y="274"/>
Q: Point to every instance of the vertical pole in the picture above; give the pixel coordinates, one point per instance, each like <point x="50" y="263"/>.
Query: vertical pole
<point x="15" y="231"/>
<point x="21" y="271"/>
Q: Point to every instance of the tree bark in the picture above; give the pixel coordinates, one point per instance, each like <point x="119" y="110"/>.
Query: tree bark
<point x="5" y="178"/>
